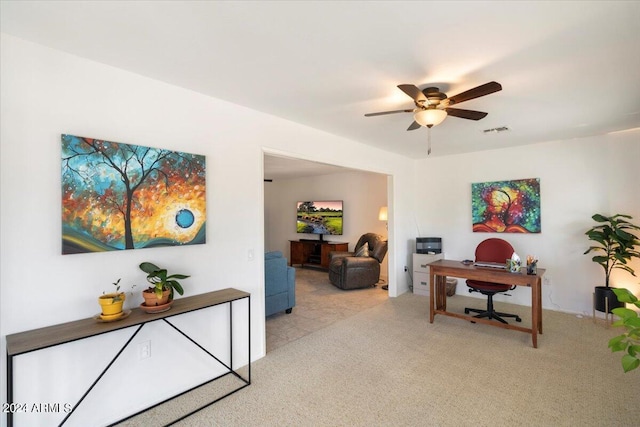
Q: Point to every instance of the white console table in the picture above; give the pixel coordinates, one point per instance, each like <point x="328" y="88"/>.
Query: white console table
<point x="39" y="339"/>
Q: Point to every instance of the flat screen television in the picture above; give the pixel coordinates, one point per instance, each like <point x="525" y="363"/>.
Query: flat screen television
<point x="322" y="217"/>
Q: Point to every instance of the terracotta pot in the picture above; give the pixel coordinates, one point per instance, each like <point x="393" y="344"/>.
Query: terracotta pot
<point x="151" y="300"/>
<point x="109" y="306"/>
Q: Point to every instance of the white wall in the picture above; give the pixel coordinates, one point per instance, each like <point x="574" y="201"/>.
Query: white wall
<point x="363" y="193"/>
<point x="577" y="179"/>
<point x="45" y="93"/>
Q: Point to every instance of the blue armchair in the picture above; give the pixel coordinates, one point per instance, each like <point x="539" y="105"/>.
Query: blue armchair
<point x="279" y="284"/>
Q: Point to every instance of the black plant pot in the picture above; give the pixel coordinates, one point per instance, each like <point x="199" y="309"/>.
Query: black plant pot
<point x="602" y="293"/>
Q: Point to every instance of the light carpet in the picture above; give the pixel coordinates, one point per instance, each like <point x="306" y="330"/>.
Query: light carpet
<point x="318" y="305"/>
<point x="388" y="366"/>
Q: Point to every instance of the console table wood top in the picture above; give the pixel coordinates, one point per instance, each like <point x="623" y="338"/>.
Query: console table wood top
<point x="49" y="336"/>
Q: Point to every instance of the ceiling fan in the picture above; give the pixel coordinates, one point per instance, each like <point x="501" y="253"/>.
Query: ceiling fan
<point x="433" y="106"/>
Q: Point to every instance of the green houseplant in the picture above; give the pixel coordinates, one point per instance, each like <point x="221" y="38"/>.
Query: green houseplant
<point x="614" y="247"/>
<point x="111" y="303"/>
<point x="629" y="341"/>
<point x="162" y="283"/>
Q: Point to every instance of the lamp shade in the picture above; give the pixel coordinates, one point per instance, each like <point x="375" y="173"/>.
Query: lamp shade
<point x="430" y="117"/>
<point x="382" y="215"/>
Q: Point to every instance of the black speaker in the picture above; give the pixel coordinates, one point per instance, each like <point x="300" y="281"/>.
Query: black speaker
<point x="425" y="245"/>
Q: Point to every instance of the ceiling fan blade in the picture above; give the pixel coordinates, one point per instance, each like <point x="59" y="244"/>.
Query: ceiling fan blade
<point x="415" y="125"/>
<point x="476" y="92"/>
<point x="466" y="114"/>
<point x="382" y="113"/>
<point x="413" y="92"/>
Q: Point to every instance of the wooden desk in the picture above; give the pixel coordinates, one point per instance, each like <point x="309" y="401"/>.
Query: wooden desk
<point x="438" y="299"/>
<point x="38" y="339"/>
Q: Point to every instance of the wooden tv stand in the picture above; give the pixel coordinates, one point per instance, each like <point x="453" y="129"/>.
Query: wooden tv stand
<point x="314" y="253"/>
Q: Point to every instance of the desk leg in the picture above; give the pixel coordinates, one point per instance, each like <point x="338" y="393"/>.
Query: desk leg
<point x="432" y="279"/>
<point x="539" y="305"/>
<point x="536" y="320"/>
<point x="441" y="293"/>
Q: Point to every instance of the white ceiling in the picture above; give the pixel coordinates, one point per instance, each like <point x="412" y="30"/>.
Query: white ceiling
<point x="568" y="69"/>
<point x="280" y="167"/>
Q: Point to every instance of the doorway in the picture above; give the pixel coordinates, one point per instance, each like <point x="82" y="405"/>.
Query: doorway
<point x="288" y="181"/>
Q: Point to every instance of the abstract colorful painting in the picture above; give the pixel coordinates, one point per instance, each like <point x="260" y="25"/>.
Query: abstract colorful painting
<point x="506" y="206"/>
<point x="119" y="196"/>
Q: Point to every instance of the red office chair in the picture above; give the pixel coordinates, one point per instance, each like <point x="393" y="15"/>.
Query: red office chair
<point x="491" y="250"/>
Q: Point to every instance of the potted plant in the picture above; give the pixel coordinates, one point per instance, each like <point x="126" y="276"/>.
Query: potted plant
<point x="162" y="286"/>
<point x="615" y="247"/>
<point x="630" y="340"/>
<point x="111" y="303"/>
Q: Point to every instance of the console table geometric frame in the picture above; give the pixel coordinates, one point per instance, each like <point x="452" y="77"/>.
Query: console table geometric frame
<point x="39" y="339"/>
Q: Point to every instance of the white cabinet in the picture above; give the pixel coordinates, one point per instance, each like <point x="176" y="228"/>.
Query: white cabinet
<point x="421" y="272"/>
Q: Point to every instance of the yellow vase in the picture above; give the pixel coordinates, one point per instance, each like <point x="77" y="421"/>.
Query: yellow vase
<point x="111" y="308"/>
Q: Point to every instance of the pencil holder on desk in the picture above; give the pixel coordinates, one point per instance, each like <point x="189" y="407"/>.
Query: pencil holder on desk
<point x="532" y="269"/>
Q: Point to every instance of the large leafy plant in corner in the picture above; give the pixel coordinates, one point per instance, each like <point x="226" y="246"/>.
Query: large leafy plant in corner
<point x="615" y="243"/>
<point x="630" y="340"/>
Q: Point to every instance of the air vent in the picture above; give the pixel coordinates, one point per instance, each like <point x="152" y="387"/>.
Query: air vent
<point x="496" y="130"/>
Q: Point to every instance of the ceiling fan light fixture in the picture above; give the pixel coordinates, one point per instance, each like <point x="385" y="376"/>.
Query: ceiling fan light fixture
<point x="430" y="117"/>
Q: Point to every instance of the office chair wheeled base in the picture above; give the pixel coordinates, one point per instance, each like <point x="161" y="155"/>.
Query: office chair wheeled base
<point x="489" y="313"/>
<point x="492" y="315"/>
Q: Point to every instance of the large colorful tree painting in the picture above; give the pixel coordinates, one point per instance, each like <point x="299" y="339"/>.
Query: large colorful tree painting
<point x="120" y="196"/>
<point x="506" y="206"/>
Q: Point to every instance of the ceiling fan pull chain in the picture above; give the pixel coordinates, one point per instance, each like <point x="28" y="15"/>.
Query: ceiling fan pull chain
<point x="428" y="141"/>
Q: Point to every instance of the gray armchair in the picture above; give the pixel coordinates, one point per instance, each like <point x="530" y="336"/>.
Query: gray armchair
<point x="361" y="268"/>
